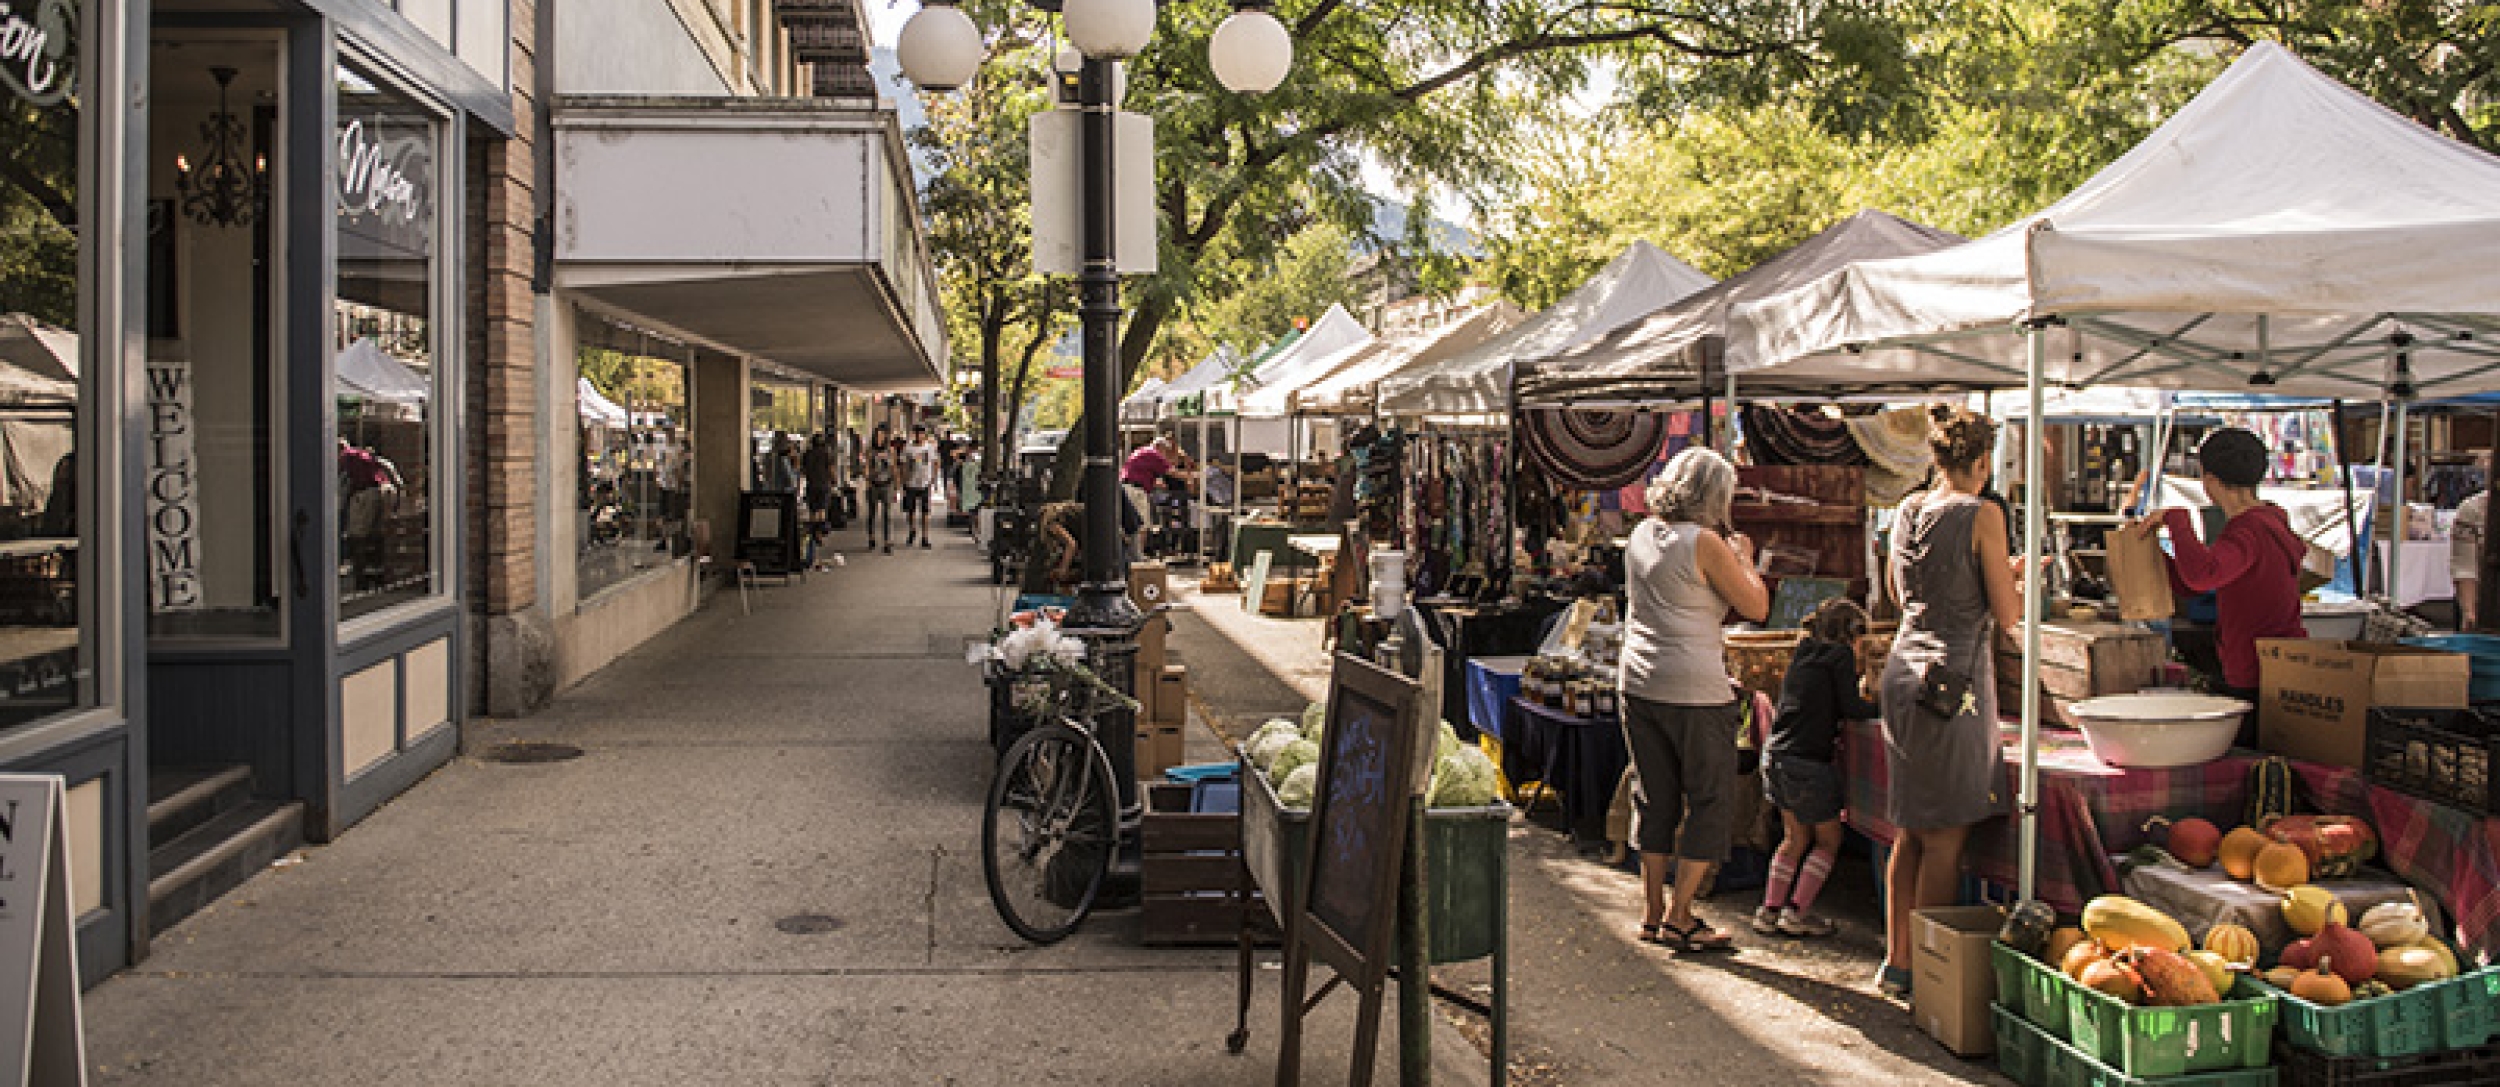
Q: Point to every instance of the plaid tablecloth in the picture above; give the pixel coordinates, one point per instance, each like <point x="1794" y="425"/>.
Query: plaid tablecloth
<point x="2090" y="811"/>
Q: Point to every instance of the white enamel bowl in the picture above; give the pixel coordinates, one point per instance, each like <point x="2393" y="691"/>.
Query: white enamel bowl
<point x="2159" y="729"/>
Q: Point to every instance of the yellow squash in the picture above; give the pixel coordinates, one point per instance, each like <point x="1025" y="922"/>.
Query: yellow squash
<point x="2119" y="923"/>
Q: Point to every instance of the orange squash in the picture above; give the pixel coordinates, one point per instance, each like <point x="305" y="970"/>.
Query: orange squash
<point x="2234" y="943"/>
<point x="2281" y="866"/>
<point x="2084" y="953"/>
<point x="2062" y="941"/>
<point x="2238" y="852"/>
<point x="2321" y="986"/>
<point x="2108" y="978"/>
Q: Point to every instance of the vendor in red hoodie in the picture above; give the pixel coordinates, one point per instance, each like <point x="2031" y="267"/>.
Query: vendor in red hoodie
<point x="2253" y="569"/>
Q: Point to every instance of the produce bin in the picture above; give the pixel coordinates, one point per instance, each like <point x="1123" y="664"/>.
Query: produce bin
<point x="1464" y="864"/>
<point x="2033" y="1058"/>
<point x="2236" y="1033"/>
<point x="2460" y="1013"/>
<point x="2464" y="1068"/>
<point x="2032" y="988"/>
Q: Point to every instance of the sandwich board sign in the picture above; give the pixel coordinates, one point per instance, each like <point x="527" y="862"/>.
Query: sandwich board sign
<point x="42" y="1037"/>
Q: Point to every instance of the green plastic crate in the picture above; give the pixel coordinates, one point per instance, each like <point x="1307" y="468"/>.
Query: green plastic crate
<point x="2031" y="987"/>
<point x="2236" y="1033"/>
<point x="2031" y="1057"/>
<point x="2459" y="1013"/>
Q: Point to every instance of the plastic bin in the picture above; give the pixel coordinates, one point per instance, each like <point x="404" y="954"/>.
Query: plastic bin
<point x="2235" y="1033"/>
<point x="2463" y="1068"/>
<point x="1465" y="866"/>
<point x="2460" y="1013"/>
<point x="2443" y="755"/>
<point x="2032" y="988"/>
<point x="2032" y="1057"/>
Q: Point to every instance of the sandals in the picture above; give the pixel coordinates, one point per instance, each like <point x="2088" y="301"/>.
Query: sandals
<point x="1696" y="938"/>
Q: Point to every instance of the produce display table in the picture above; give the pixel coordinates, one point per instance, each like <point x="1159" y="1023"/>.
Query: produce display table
<point x="2201" y="897"/>
<point x="1579" y="757"/>
<point x="2090" y="811"/>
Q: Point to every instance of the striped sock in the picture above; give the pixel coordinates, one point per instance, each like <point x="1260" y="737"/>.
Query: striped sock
<point x="1783" y="872"/>
<point x="1810" y="878"/>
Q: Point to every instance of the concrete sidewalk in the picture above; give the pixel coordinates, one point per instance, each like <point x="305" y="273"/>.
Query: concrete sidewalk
<point x="762" y="870"/>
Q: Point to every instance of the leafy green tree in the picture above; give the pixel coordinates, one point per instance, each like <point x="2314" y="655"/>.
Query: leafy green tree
<point x="1256" y="301"/>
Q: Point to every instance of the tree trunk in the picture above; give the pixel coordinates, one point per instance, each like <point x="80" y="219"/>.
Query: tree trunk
<point x="1143" y="324"/>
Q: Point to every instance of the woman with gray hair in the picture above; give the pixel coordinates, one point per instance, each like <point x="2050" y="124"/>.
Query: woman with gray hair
<point x="1683" y="570"/>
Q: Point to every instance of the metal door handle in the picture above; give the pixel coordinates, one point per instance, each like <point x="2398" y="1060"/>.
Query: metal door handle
<point x="295" y="554"/>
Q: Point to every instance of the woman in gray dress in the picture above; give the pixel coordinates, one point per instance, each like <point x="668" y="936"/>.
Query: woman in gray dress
<point x="1955" y="580"/>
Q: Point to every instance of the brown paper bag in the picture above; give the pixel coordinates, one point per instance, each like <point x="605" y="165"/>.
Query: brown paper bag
<point x="2140" y="574"/>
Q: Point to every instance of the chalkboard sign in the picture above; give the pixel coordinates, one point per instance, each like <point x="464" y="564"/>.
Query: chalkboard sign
<point x="768" y="531"/>
<point x="1369" y="766"/>
<point x="1797" y="597"/>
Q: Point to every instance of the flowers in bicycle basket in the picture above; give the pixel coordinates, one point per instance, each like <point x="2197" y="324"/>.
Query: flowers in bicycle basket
<point x="1044" y="662"/>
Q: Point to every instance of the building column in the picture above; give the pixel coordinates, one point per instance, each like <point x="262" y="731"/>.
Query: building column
<point x="723" y="412"/>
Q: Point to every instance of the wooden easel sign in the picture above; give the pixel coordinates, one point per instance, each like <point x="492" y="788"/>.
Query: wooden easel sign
<point x="43" y="1040"/>
<point x="1346" y="902"/>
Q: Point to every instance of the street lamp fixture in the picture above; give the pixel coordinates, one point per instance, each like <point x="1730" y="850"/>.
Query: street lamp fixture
<point x="1250" y="51"/>
<point x="939" y="48"/>
<point x="1109" y="29"/>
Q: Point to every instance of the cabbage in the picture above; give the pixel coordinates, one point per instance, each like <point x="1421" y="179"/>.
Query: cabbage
<point x="1463" y="779"/>
<point x="1448" y="744"/>
<point x="1268" y="740"/>
<point x="1314" y="718"/>
<point x="1296" y="791"/>
<point x="1296" y="754"/>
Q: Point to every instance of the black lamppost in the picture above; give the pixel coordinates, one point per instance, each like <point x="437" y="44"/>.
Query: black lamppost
<point x="940" y="49"/>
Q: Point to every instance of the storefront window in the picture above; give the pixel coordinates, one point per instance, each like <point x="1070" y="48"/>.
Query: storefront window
<point x="43" y="666"/>
<point x="384" y="374"/>
<point x="636" y="475"/>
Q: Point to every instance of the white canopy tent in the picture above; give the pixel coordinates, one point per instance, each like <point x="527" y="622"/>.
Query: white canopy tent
<point x="1144" y="406"/>
<point x="595" y="408"/>
<point x="365" y="370"/>
<point x="2280" y="233"/>
<point x="1335" y="331"/>
<point x="1634" y="285"/>
<point x="1350" y="389"/>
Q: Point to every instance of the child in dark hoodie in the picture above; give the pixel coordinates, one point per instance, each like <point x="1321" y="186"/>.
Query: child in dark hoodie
<point x="1801" y="766"/>
<point x="2253" y="568"/>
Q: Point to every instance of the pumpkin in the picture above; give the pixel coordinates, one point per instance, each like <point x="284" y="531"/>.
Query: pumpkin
<point x="2356" y="960"/>
<point x="2119" y="923"/>
<point x="2194" y="841"/>
<point x="2235" y="943"/>
<point x="2335" y="844"/>
<point x="2280" y="866"/>
<point x="2300" y="954"/>
<point x="2109" y="978"/>
<point x="2084" y="953"/>
<point x="2309" y="907"/>
<point x="2394" y="924"/>
<point x="2405" y="967"/>
<point x="2322" y="986"/>
<point x="2060" y="942"/>
<point x="2238" y="852"/>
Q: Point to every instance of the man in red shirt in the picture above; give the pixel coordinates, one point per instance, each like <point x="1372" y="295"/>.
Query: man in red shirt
<point x="2253" y="568"/>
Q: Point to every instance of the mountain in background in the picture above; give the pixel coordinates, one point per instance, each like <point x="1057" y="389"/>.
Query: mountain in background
<point x="1388" y="214"/>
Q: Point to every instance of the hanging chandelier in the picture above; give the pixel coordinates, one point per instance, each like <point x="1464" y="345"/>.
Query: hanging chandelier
<point x="224" y="190"/>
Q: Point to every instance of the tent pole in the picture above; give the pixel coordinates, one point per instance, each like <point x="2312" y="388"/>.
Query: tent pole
<point x="2396" y="529"/>
<point x="2354" y="546"/>
<point x="2034" y="521"/>
<point x="1728" y="437"/>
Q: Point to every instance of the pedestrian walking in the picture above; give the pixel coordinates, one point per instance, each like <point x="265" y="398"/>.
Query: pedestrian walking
<point x="1684" y="569"/>
<point x="1801" y="766"/>
<point x="920" y="476"/>
<point x="880" y="474"/>
<point x="1954" y="575"/>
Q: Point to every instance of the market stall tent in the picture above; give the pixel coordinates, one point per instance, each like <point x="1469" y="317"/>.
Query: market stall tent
<point x="1677" y="352"/>
<point x="1336" y="330"/>
<point x="1145" y="406"/>
<point x="365" y="370"/>
<point x="595" y="408"/>
<point x="1350" y="389"/>
<point x="1637" y="283"/>
<point x="2280" y="233"/>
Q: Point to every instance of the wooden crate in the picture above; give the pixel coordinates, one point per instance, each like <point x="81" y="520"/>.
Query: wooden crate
<point x="1191" y="869"/>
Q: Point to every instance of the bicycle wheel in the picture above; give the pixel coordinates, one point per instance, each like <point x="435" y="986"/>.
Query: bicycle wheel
<point x="1049" y="832"/>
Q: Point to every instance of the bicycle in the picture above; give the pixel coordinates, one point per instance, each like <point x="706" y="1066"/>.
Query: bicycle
<point x="1051" y="827"/>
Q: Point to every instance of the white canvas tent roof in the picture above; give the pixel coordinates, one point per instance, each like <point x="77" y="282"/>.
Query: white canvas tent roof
<point x="366" y="370"/>
<point x="1634" y="285"/>
<point x="1671" y="353"/>
<point x="1350" y="388"/>
<point x="1335" y="331"/>
<point x="596" y="408"/>
<point x="2281" y="227"/>
<point x="1145" y="405"/>
<point x="1151" y="402"/>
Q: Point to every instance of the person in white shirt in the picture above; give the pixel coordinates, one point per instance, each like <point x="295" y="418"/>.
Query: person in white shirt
<point x="920" y="474"/>
<point x="2465" y="555"/>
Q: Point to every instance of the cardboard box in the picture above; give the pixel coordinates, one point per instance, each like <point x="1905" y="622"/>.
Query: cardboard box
<point x="2314" y="697"/>
<point x="1171" y="701"/>
<point x="1149" y="585"/>
<point x="1158" y="749"/>
<point x="1154" y="644"/>
<point x="1277" y="598"/>
<point x="1955" y="982"/>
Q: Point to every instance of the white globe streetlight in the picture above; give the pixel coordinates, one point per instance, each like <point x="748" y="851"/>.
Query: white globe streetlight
<point x="1251" y="51"/>
<point x="939" y="47"/>
<point x="1109" y="29"/>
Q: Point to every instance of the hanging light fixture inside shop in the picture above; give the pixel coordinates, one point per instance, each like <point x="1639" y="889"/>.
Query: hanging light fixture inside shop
<point x="224" y="189"/>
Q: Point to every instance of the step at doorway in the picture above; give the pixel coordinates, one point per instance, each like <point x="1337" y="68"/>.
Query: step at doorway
<point x="208" y="832"/>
